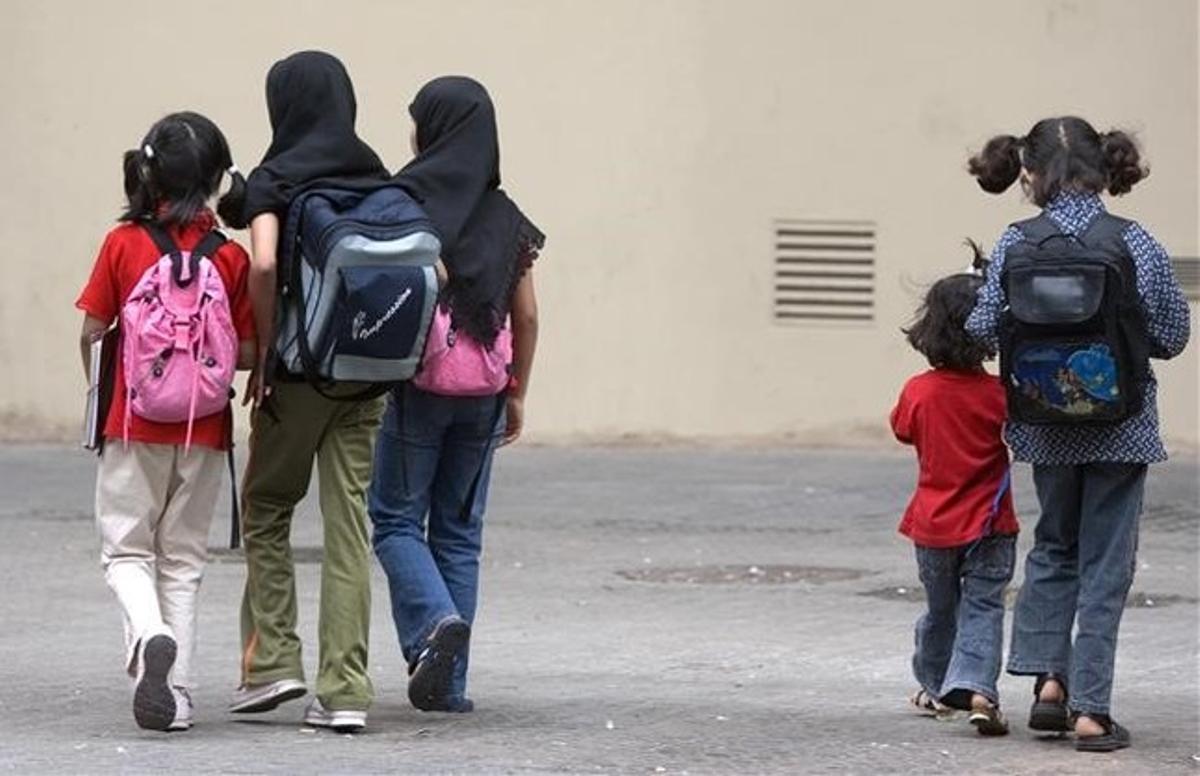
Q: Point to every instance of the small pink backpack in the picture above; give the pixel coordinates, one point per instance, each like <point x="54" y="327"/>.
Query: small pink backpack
<point x="455" y="364"/>
<point x="179" y="347"/>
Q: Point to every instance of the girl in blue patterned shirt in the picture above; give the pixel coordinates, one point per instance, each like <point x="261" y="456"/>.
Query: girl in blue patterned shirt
<point x="1089" y="479"/>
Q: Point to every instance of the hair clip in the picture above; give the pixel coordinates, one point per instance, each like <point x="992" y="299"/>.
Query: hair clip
<point x="148" y="150"/>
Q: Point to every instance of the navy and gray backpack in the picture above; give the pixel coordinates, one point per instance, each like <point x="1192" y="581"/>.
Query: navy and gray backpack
<point x="1073" y="342"/>
<point x="359" y="286"/>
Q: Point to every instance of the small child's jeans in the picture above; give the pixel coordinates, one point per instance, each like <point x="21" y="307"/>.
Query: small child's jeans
<point x="154" y="505"/>
<point x="960" y="639"/>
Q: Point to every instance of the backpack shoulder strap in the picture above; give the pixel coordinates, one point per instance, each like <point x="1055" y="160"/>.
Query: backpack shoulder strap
<point x="162" y="239"/>
<point x="1039" y="228"/>
<point x="1106" y="231"/>
<point x="209" y="244"/>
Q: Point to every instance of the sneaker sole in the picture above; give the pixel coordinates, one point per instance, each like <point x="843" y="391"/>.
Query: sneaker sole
<point x="338" y="726"/>
<point x="269" y="702"/>
<point x="153" y="701"/>
<point x="430" y="682"/>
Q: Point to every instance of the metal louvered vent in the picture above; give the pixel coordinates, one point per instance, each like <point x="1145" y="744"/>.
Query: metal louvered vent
<point x="824" y="271"/>
<point x="1187" y="270"/>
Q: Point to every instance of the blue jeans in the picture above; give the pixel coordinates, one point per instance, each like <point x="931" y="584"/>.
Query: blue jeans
<point x="430" y="450"/>
<point x="960" y="639"/>
<point x="1078" y="575"/>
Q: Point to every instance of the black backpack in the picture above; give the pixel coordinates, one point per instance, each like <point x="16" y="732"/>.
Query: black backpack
<point x="1073" y="342"/>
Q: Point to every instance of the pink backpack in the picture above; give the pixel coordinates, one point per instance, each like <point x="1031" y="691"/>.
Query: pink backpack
<point x="179" y="347"/>
<point x="455" y="364"/>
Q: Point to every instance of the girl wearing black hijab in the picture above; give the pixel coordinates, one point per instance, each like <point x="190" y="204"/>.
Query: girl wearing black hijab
<point x="433" y="460"/>
<point x="310" y="101"/>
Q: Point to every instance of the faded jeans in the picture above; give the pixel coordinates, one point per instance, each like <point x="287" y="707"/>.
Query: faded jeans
<point x="960" y="639"/>
<point x="1078" y="575"/>
<point x="428" y="524"/>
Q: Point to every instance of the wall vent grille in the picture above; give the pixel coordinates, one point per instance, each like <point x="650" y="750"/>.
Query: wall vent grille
<point x="1187" y="270"/>
<point x="824" y="271"/>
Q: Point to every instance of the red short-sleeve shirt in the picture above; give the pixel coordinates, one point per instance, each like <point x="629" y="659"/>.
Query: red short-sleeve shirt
<point x="128" y="251"/>
<point x="955" y="419"/>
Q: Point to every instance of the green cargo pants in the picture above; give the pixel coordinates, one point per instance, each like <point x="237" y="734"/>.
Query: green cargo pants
<point x="296" y="424"/>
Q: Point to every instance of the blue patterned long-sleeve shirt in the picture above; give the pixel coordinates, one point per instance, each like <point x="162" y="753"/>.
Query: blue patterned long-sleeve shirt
<point x="1136" y="439"/>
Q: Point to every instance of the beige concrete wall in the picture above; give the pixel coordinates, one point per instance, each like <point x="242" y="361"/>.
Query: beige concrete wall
<point x="655" y="142"/>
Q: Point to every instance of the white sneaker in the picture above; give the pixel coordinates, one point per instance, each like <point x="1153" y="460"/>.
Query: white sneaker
<point x="183" y="709"/>
<point x="254" y="698"/>
<point x="342" y="720"/>
<point x="153" y="701"/>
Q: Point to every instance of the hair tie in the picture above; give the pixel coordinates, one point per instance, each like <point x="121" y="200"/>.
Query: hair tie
<point x="148" y="150"/>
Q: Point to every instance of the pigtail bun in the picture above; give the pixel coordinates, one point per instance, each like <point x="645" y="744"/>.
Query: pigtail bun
<point x="997" y="166"/>
<point x="1122" y="162"/>
<point x="231" y="207"/>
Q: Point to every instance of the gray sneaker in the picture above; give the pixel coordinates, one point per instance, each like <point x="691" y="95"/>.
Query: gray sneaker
<point x="256" y="698"/>
<point x="341" y="720"/>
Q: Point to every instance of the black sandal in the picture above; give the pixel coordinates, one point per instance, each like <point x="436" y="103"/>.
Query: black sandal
<point x="1049" y="716"/>
<point x="1114" y="737"/>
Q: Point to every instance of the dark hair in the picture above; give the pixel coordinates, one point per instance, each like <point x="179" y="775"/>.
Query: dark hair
<point x="177" y="167"/>
<point x="1063" y="154"/>
<point x="938" y="332"/>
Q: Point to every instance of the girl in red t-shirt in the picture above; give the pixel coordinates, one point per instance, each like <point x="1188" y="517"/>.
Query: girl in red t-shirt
<point x="961" y="516"/>
<point x="155" y="492"/>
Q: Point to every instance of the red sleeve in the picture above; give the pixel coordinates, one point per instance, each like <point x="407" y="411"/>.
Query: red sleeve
<point x="237" y="270"/>
<point x="101" y="297"/>
<point x="903" y="415"/>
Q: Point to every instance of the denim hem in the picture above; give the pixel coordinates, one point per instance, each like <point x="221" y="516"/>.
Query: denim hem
<point x="1087" y="709"/>
<point x="991" y="693"/>
<point x="1034" y="669"/>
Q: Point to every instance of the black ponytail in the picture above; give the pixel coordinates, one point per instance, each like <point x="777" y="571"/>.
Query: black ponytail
<point x="137" y="187"/>
<point x="1122" y="161"/>
<point x="998" y="165"/>
<point x="232" y="205"/>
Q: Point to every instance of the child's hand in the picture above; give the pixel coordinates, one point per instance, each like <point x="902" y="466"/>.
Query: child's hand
<point x="515" y="420"/>
<point x="443" y="276"/>
<point x="256" y="386"/>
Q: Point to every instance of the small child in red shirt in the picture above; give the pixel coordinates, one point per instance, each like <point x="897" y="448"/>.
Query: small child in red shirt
<point x="158" y="482"/>
<point x="961" y="516"/>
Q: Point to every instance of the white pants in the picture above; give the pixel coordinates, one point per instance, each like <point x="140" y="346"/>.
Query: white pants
<point x="154" y="505"/>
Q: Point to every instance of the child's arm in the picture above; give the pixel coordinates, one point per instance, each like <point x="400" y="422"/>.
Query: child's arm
<point x="1168" y="320"/>
<point x="984" y="322"/>
<point x="902" y="418"/>
<point x="261" y="285"/>
<point x="93" y="329"/>
<point x="525" y="334"/>
<point x="247" y="354"/>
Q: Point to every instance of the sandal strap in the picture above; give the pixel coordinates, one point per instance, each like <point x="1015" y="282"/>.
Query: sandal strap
<point x="1041" y="680"/>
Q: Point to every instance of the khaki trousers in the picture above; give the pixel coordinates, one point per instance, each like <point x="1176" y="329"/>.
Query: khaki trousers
<point x="154" y="505"/>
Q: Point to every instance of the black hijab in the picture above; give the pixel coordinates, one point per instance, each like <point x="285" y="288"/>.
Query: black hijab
<point x="487" y="243"/>
<point x="310" y="101"/>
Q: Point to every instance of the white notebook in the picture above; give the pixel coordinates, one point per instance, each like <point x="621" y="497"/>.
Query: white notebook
<point x="102" y="366"/>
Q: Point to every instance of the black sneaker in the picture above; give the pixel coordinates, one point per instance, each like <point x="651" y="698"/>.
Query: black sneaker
<point x="430" y="675"/>
<point x="153" y="701"/>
